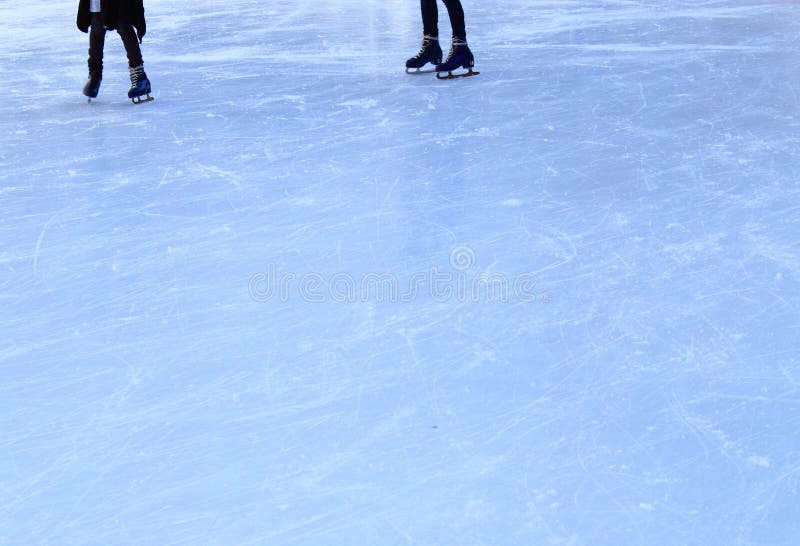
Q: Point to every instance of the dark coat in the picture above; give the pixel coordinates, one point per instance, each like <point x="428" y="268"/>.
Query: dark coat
<point x="115" y="11"/>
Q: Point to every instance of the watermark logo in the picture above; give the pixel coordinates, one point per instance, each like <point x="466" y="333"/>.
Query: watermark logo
<point x="462" y="281"/>
<point x="462" y="258"/>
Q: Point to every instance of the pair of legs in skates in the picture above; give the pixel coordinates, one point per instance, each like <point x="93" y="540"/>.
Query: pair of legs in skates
<point x="460" y="55"/>
<point x="140" y="84"/>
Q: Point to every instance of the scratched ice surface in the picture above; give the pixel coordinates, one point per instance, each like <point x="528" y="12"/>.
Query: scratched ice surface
<point x="182" y="359"/>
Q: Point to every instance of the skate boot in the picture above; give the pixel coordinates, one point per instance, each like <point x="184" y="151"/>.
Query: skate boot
<point x="430" y="52"/>
<point x="140" y="85"/>
<point x="459" y="57"/>
<point x="92" y="87"/>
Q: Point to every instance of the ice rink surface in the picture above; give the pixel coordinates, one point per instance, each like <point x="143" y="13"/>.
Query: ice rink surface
<point x="584" y="324"/>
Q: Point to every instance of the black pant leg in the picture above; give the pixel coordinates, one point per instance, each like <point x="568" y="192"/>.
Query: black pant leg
<point x="456" y="12"/>
<point x="430" y="17"/>
<point x="131" y="43"/>
<point x="97" y="41"/>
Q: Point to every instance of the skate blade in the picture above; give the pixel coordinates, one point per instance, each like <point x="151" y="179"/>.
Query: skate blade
<point x="140" y="100"/>
<point x="451" y="76"/>
<point x="419" y="70"/>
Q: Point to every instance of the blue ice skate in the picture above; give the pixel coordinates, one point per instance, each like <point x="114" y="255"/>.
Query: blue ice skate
<point x="459" y="57"/>
<point x="92" y="87"/>
<point x="430" y="52"/>
<point x="140" y="86"/>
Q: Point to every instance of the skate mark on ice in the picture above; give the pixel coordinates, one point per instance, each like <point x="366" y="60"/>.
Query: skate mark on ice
<point x="38" y="247"/>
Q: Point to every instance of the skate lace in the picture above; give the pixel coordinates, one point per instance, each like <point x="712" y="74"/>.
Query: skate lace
<point x="426" y="41"/>
<point x="457" y="42"/>
<point x="136" y="74"/>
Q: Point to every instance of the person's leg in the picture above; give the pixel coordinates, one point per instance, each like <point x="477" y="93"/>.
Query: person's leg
<point x="460" y="55"/>
<point x="430" y="17"/>
<point x="131" y="43"/>
<point x="97" y="40"/>
<point x="456" y="13"/>
<point x="140" y="85"/>
<point x="429" y="52"/>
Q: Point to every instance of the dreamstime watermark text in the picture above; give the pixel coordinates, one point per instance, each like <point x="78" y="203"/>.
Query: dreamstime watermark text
<point x="460" y="282"/>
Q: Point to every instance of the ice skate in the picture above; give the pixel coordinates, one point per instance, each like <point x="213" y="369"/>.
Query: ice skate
<point x="459" y="57"/>
<point x="430" y="52"/>
<point x="140" y="86"/>
<point x="92" y="87"/>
